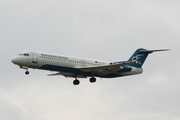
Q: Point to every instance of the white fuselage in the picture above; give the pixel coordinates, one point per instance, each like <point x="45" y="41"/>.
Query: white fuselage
<point x="38" y="59"/>
<point x="67" y="65"/>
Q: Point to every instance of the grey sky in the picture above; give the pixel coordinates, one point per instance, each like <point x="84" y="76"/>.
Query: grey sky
<point x="98" y="29"/>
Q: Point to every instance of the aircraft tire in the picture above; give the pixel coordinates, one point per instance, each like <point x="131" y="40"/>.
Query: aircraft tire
<point x="27" y="72"/>
<point x="76" y="82"/>
<point x="92" y="79"/>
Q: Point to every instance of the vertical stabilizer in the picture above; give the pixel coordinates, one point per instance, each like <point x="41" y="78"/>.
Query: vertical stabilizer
<point x="140" y="55"/>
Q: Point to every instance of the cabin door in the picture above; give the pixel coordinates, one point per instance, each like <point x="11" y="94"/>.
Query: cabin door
<point x="34" y="57"/>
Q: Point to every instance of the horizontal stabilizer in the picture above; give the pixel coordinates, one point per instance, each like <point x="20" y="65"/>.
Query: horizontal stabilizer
<point x="141" y="54"/>
<point x="151" y="51"/>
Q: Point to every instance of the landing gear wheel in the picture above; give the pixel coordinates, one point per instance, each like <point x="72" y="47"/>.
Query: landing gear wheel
<point x="92" y="79"/>
<point x="76" y="82"/>
<point x="27" y="72"/>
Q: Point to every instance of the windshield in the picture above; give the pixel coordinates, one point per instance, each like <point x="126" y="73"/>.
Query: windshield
<point x="25" y="54"/>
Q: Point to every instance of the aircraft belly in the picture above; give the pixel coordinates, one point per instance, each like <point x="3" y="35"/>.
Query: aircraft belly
<point x="63" y="69"/>
<point x="52" y="65"/>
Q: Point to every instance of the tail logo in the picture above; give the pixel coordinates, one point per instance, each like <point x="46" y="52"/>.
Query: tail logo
<point x="137" y="57"/>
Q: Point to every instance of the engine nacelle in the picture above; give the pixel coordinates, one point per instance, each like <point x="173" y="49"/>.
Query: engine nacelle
<point x="126" y="69"/>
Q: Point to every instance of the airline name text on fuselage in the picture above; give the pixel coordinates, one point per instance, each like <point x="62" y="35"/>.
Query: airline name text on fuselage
<point x="54" y="56"/>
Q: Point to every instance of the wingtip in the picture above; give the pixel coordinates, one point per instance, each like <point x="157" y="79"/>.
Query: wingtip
<point x="49" y="75"/>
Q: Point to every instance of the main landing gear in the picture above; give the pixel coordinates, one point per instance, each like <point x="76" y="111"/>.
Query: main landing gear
<point x="27" y="72"/>
<point x="77" y="82"/>
<point x="92" y="79"/>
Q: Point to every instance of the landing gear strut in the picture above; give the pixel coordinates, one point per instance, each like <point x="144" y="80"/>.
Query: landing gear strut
<point x="92" y="79"/>
<point x="76" y="82"/>
<point x="27" y="72"/>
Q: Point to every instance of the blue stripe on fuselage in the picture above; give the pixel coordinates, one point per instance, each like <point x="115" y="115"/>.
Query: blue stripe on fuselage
<point x="78" y="72"/>
<point x="63" y="69"/>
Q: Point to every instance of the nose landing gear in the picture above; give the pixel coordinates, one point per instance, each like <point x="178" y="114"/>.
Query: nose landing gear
<point x="26" y="68"/>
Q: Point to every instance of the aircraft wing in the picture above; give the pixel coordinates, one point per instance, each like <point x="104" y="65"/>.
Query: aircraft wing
<point x="65" y="74"/>
<point x="102" y="70"/>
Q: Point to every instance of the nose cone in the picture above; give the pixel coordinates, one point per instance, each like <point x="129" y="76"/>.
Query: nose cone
<point x="14" y="60"/>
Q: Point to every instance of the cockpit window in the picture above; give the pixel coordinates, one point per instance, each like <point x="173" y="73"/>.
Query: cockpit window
<point x="23" y="54"/>
<point x="26" y="54"/>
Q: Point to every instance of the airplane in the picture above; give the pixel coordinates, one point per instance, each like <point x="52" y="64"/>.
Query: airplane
<point x="80" y="67"/>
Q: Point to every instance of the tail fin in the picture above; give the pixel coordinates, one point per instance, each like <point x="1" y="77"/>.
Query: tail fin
<point x="140" y="55"/>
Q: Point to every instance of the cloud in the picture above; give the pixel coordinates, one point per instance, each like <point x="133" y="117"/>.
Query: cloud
<point x="9" y="111"/>
<point x="105" y="30"/>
